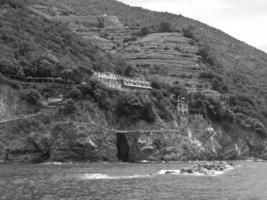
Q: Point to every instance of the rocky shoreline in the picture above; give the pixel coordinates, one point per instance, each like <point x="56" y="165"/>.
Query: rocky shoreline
<point x="202" y="168"/>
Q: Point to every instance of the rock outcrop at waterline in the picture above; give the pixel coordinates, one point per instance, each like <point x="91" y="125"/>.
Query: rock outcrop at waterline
<point x="73" y="141"/>
<point x="202" y="168"/>
<point x="65" y="142"/>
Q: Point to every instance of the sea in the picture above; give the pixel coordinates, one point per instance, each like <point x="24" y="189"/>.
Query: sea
<point x="123" y="181"/>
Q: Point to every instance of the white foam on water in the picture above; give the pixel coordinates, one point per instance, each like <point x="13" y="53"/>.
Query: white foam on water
<point x="144" y="161"/>
<point x="95" y="176"/>
<point x="169" y="171"/>
<point x="106" y="177"/>
<point x="53" y="163"/>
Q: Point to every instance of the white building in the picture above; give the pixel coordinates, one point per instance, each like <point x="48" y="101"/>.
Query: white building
<point x="121" y="83"/>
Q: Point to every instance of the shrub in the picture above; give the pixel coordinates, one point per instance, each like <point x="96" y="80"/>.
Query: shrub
<point x="14" y="3"/>
<point x="8" y="66"/>
<point x="134" y="107"/>
<point x="219" y="85"/>
<point x="191" y="42"/>
<point x="74" y="94"/>
<point x="210" y="108"/>
<point x="9" y="82"/>
<point x="31" y="96"/>
<point x="71" y="75"/>
<point x="162" y="104"/>
<point x="100" y="24"/>
<point x="215" y="80"/>
<point x="206" y="75"/>
<point x="122" y="68"/>
<point x="69" y="107"/>
<point x="143" y="31"/>
<point x="164" y="27"/>
<point x="129" y="39"/>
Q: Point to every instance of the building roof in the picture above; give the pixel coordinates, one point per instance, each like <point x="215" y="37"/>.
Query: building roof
<point x="138" y="83"/>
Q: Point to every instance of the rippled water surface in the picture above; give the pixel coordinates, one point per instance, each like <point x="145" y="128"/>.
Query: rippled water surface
<point x="120" y="181"/>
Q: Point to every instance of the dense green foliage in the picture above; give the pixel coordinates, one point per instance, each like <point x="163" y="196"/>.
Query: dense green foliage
<point x="134" y="107"/>
<point x="69" y="107"/>
<point x="126" y="108"/>
<point x="42" y="48"/>
<point x="215" y="80"/>
<point x="32" y="96"/>
<point x="164" y="27"/>
<point x="144" y="31"/>
<point x="13" y="3"/>
<point x="74" y="94"/>
<point x="46" y="49"/>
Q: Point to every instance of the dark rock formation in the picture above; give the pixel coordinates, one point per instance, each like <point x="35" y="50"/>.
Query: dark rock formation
<point x="202" y="168"/>
<point x="75" y="143"/>
<point x="66" y="142"/>
<point x="207" y="168"/>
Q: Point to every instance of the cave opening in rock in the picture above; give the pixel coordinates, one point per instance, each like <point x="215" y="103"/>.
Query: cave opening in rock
<point x="122" y="147"/>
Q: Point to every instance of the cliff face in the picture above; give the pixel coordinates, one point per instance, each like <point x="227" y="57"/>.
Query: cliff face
<point x="198" y="140"/>
<point x="27" y="141"/>
<point x="42" y="138"/>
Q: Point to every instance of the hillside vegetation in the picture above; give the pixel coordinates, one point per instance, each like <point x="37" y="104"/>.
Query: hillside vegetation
<point x="41" y="58"/>
<point x="34" y="46"/>
<point x="232" y="55"/>
<point x="234" y="68"/>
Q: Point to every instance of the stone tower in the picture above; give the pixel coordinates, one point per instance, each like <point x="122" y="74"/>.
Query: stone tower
<point x="182" y="110"/>
<point x="182" y="106"/>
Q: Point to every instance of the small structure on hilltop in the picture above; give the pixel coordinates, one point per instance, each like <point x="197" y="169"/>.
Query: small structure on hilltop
<point x="121" y="83"/>
<point x="182" y="106"/>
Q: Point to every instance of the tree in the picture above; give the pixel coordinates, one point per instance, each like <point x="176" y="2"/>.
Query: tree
<point x="32" y="97"/>
<point x="9" y="66"/>
<point x="144" y="31"/>
<point x="13" y="3"/>
<point x="69" y="107"/>
<point x="164" y="27"/>
<point x="74" y="94"/>
<point x="134" y="107"/>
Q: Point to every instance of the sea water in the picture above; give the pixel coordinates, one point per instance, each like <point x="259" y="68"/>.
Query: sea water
<point x="121" y="181"/>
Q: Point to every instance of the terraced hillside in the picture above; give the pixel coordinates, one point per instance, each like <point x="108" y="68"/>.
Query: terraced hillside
<point x="167" y="57"/>
<point x="241" y="65"/>
<point x="170" y="58"/>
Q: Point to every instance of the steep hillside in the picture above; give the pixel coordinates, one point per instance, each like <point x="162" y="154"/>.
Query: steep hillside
<point x="34" y="46"/>
<point x="241" y="64"/>
<point x="61" y="43"/>
<point x="227" y="68"/>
